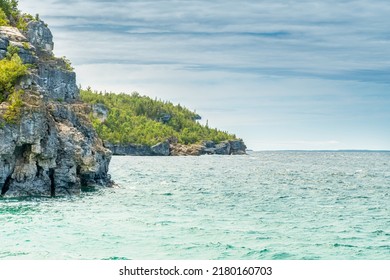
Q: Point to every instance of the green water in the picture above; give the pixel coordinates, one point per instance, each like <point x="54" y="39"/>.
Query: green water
<point x="267" y="205"/>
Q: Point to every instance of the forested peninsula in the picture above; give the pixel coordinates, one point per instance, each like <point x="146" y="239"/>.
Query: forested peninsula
<point x="139" y="125"/>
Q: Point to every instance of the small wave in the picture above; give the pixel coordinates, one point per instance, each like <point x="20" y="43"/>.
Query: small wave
<point x="344" y="245"/>
<point x="12" y="254"/>
<point x="164" y="223"/>
<point x="115" y="258"/>
<point x="256" y="253"/>
<point x="263" y="238"/>
<point x="282" y="256"/>
<point x="167" y="194"/>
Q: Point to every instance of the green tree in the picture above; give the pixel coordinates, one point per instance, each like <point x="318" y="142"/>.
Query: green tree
<point x="3" y="18"/>
<point x="9" y="7"/>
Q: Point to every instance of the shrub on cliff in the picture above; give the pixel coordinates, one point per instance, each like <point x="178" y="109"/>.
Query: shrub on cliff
<point x="14" y="110"/>
<point x="10" y="71"/>
<point x="3" y="19"/>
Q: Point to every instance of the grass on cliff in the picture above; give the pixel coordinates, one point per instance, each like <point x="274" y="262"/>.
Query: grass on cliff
<point x="142" y="120"/>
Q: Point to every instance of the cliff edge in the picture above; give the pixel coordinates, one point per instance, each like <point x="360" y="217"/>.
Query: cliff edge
<point x="48" y="146"/>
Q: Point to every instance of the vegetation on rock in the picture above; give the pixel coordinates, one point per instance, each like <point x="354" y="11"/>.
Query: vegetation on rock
<point x="142" y="120"/>
<point x="11" y="69"/>
<point x="11" y="16"/>
<point x="9" y="7"/>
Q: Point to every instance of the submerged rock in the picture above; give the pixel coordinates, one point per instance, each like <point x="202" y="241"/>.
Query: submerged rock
<point x="52" y="148"/>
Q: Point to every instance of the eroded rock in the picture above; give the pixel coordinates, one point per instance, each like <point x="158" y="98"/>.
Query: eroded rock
<point x="161" y="149"/>
<point x="52" y="149"/>
<point x="40" y="35"/>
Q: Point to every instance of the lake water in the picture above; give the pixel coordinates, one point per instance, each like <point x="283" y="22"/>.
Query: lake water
<point x="266" y="205"/>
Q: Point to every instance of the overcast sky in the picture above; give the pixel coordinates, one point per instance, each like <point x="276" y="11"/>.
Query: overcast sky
<point x="279" y="74"/>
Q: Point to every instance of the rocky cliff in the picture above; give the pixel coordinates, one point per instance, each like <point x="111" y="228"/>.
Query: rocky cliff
<point x="172" y="148"/>
<point x="49" y="147"/>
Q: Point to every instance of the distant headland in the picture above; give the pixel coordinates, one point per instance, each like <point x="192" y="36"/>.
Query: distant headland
<point x="140" y="126"/>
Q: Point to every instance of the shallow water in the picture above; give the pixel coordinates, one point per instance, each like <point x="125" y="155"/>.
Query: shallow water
<point x="267" y="205"/>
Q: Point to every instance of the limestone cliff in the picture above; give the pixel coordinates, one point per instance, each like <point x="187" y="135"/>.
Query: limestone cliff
<point x="51" y="148"/>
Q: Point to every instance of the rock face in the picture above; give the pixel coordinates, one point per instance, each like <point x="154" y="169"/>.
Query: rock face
<point x="172" y="148"/>
<point x="237" y="147"/>
<point x="160" y="149"/>
<point x="40" y="35"/>
<point x="232" y="147"/>
<point x="100" y="111"/>
<point x="52" y="150"/>
<point x="128" y="149"/>
<point x="186" y="150"/>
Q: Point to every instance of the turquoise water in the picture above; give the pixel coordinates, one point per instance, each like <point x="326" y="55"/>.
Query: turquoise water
<point x="267" y="205"/>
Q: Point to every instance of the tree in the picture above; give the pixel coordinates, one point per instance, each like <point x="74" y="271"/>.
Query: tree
<point x="3" y="18"/>
<point x="9" y="7"/>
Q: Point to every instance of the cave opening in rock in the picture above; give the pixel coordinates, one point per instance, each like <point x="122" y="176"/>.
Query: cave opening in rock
<point x="6" y="185"/>
<point x="22" y="152"/>
<point x="52" y="183"/>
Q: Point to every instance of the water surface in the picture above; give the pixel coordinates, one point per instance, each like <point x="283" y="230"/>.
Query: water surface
<point x="266" y="205"/>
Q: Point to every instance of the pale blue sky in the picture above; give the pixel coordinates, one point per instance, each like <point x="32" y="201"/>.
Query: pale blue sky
<point x="279" y="74"/>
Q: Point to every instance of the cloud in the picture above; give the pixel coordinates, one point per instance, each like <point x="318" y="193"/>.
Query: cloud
<point x="285" y="67"/>
<point x="329" y="39"/>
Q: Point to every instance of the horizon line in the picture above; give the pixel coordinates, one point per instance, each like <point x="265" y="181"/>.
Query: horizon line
<point x="324" y="150"/>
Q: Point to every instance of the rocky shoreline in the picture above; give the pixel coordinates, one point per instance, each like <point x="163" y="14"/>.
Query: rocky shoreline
<point x="172" y="148"/>
<point x="50" y="148"/>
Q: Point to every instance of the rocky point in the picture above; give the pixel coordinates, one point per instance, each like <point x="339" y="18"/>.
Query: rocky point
<point x="51" y="149"/>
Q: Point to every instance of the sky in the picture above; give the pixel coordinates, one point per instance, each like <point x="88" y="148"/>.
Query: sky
<point x="282" y="75"/>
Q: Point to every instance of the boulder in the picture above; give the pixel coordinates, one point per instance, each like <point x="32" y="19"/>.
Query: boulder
<point x="40" y="35"/>
<point x="208" y="144"/>
<point x="4" y="43"/>
<point x="161" y="149"/>
<point x="100" y="111"/>
<point x="237" y="147"/>
<point x="222" y="148"/>
<point x="186" y="150"/>
<point x="12" y="34"/>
